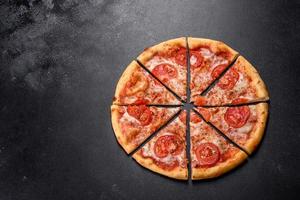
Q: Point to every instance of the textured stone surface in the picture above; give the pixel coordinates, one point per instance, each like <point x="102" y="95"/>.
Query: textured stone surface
<point x="59" y="64"/>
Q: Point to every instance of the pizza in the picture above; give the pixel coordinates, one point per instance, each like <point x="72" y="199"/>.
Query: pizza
<point x="240" y="84"/>
<point x="137" y="87"/>
<point x="211" y="154"/>
<point x="133" y="124"/>
<point x="223" y="126"/>
<point x="243" y="124"/>
<point x="208" y="59"/>
<point x="166" y="152"/>
<point x="167" y="62"/>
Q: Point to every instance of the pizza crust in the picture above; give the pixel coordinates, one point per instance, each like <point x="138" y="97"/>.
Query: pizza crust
<point x="177" y="173"/>
<point x="214" y="45"/>
<point x="212" y="172"/>
<point x="257" y="134"/>
<point x="131" y="68"/>
<point x="148" y="53"/>
<point x="115" y="115"/>
<point x="257" y="82"/>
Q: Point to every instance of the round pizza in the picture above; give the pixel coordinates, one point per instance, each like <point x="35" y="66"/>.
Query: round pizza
<point x="224" y="126"/>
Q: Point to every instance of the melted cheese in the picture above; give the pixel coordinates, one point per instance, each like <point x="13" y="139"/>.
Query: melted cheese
<point x="206" y="53"/>
<point x="127" y="118"/>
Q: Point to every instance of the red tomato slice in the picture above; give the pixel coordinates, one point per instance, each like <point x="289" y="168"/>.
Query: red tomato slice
<point x="207" y="154"/>
<point x="195" y="118"/>
<point x="141" y="113"/>
<point x="196" y="59"/>
<point x="134" y="111"/>
<point x="205" y="113"/>
<point x="141" y="102"/>
<point x="239" y="101"/>
<point x="237" y="116"/>
<point x="180" y="57"/>
<point x="200" y="101"/>
<point x="218" y="71"/>
<point x="229" y="80"/>
<point x="164" y="72"/>
<point x="146" y="117"/>
<point x="167" y="166"/>
<point x="168" y="144"/>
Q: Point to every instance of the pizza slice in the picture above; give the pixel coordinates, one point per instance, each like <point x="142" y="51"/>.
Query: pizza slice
<point x="240" y="84"/>
<point x="165" y="153"/>
<point x="137" y="87"/>
<point x="134" y="124"/>
<point x="208" y="59"/>
<point x="211" y="154"/>
<point x="244" y="125"/>
<point x="167" y="62"/>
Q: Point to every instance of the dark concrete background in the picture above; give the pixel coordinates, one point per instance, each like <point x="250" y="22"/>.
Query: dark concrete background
<point x="60" y="61"/>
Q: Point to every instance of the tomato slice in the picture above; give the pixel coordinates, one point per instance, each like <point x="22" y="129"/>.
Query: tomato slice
<point x="146" y="117"/>
<point x="196" y="59"/>
<point x="164" y="72"/>
<point x="167" y="166"/>
<point x="141" y="113"/>
<point x="141" y="101"/>
<point x="205" y="113"/>
<point x="218" y="71"/>
<point x="180" y="57"/>
<point x="195" y="118"/>
<point x="229" y="80"/>
<point x="237" y="117"/>
<point x="239" y="101"/>
<point x="168" y="144"/>
<point x="200" y="101"/>
<point x="207" y="154"/>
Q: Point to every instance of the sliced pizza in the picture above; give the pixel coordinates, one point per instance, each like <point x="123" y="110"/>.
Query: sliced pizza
<point x="137" y="87"/>
<point x="241" y="82"/>
<point x="134" y="124"/>
<point x="211" y="154"/>
<point x="165" y="153"/>
<point x="208" y="59"/>
<point x="244" y="124"/>
<point x="167" y="62"/>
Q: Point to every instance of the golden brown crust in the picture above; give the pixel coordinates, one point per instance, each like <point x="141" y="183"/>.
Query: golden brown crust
<point x="259" y="85"/>
<point x="212" y="172"/>
<point x="214" y="45"/>
<point x="258" y="132"/>
<point x="115" y="115"/>
<point x="131" y="68"/>
<point x="163" y="47"/>
<point x="177" y="173"/>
